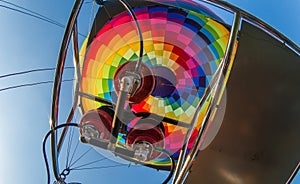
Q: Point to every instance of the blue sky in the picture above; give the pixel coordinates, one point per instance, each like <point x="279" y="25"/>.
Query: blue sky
<point x="28" y="43"/>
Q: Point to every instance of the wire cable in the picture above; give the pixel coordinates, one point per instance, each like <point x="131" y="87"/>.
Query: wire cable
<point x="44" y="146"/>
<point x="80" y="157"/>
<point x="33" y="15"/>
<point x="31" y="71"/>
<point x="37" y="15"/>
<point x="172" y="169"/>
<point x="33" y="84"/>
<point x="71" y="134"/>
<point x="32" y="12"/>
<point x="87" y="164"/>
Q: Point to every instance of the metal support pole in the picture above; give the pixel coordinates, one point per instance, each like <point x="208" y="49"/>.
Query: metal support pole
<point x="227" y="62"/>
<point x="295" y="172"/>
<point x="126" y="84"/>
<point x="96" y="98"/>
<point x="57" y="84"/>
<point x="76" y="87"/>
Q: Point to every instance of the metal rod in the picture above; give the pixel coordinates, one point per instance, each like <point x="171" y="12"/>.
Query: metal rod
<point x="76" y="87"/>
<point x="295" y="172"/>
<point x="126" y="84"/>
<point x="227" y="62"/>
<point x="57" y="83"/>
<point x="163" y="119"/>
<point x="95" y="98"/>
